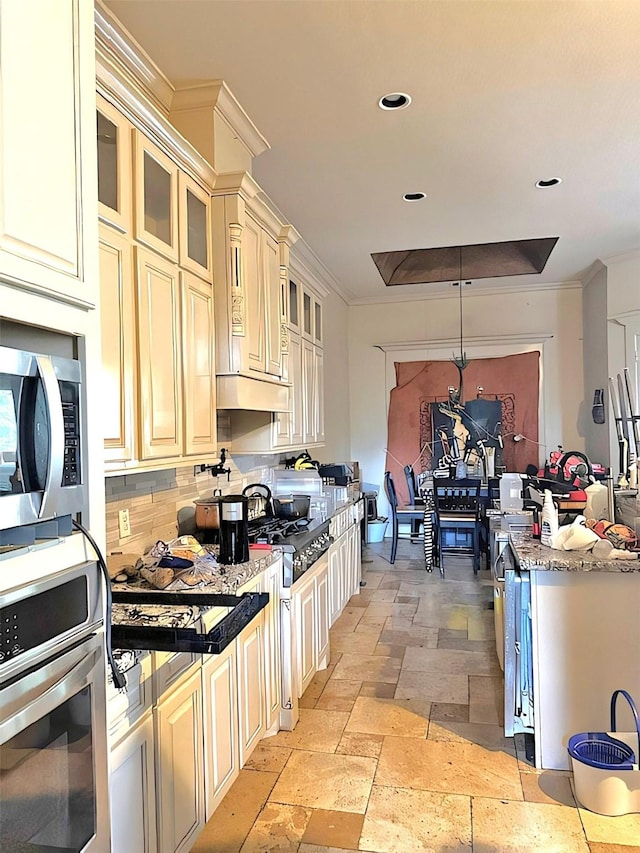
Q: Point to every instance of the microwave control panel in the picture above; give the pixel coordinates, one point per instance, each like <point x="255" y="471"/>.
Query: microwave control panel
<point x="71" y="473"/>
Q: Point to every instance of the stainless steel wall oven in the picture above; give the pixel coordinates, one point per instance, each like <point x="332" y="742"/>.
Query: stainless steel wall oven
<point x="53" y="749"/>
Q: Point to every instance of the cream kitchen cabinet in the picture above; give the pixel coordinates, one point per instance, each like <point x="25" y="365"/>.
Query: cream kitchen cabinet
<point x="180" y="766"/>
<point x="311" y="612"/>
<point x="119" y="356"/>
<point x="115" y="172"/>
<point x="132" y="791"/>
<point x="221" y="747"/>
<point x="251" y="686"/>
<point x="194" y="221"/>
<point x="48" y="193"/>
<point x="155" y="181"/>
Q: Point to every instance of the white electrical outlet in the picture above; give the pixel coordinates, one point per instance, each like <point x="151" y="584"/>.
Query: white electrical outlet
<point x="124" y="525"/>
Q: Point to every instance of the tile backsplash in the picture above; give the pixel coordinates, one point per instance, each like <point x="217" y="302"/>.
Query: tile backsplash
<point x="153" y="498"/>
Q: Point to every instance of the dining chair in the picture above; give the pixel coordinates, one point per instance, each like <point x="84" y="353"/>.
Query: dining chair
<point x="458" y="518"/>
<point x="414" y="496"/>
<point x="401" y="515"/>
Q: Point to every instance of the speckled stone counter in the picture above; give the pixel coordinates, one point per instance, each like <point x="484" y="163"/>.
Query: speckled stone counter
<point x="533" y="556"/>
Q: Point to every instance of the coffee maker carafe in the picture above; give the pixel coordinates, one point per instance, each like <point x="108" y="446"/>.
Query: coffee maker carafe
<point x="234" y="529"/>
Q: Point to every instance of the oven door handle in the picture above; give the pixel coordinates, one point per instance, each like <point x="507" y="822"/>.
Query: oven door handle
<point x="37" y="694"/>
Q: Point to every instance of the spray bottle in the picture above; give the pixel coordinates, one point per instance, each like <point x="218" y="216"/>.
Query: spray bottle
<point x="549" y="519"/>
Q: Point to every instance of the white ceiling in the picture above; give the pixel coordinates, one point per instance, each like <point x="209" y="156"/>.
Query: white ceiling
<point x="504" y="93"/>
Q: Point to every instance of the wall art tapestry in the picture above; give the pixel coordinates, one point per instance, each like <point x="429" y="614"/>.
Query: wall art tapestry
<point x="428" y="427"/>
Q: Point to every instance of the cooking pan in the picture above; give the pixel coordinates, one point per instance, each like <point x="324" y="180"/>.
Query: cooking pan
<point x="291" y="506"/>
<point x="208" y="511"/>
<point x="259" y="500"/>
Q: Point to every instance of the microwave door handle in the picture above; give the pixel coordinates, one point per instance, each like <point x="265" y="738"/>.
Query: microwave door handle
<point x="56" y="435"/>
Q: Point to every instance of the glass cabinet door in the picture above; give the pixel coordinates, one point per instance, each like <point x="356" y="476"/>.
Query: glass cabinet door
<point x="294" y="314"/>
<point x="195" y="229"/>
<point x="114" y="166"/>
<point x="307" y="316"/>
<point x="317" y="326"/>
<point x="156" y="194"/>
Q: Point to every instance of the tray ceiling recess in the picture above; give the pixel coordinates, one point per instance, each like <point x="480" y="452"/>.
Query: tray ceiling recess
<point x="454" y="263"/>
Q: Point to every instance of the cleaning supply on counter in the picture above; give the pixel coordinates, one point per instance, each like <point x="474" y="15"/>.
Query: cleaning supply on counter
<point x="549" y="519"/>
<point x="535" y="527"/>
<point x="574" y="537"/>
<point x="597" y="501"/>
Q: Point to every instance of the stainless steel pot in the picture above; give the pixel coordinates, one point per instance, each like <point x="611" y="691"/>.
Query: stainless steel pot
<point x="208" y="511"/>
<point x="291" y="506"/>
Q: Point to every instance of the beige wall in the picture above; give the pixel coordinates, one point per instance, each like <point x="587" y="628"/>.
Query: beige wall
<point x="553" y="315"/>
<point x="595" y="356"/>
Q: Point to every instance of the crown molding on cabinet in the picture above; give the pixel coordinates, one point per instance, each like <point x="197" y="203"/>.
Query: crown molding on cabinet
<point x="127" y="77"/>
<point x="217" y="95"/>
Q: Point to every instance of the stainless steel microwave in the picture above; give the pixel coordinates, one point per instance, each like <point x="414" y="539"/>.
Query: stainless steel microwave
<point x="41" y="464"/>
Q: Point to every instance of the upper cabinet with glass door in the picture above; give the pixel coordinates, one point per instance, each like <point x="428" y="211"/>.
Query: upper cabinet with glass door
<point x="195" y="227"/>
<point x="114" y="166"/>
<point x="156" y="198"/>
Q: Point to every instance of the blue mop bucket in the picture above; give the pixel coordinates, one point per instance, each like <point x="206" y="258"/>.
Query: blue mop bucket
<point x="605" y="768"/>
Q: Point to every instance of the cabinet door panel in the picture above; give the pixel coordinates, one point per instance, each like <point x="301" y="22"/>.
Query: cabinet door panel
<point x="309" y="393"/>
<point x="133" y="792"/>
<point x="195" y="227"/>
<point x="198" y="366"/>
<point x="322" y="616"/>
<point x="114" y="166"/>
<point x="251" y="686"/>
<point x="305" y="602"/>
<point x="272" y="642"/>
<point x="335" y="592"/>
<point x="319" y="393"/>
<point x="254" y="294"/>
<point x="273" y="305"/>
<point x="180" y="780"/>
<point x="156" y="198"/>
<point x="118" y="352"/>
<point x="221" y="727"/>
<point x="159" y="347"/>
<point x="47" y="192"/>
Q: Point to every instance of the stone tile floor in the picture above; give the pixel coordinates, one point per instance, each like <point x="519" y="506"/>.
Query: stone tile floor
<point x="399" y="747"/>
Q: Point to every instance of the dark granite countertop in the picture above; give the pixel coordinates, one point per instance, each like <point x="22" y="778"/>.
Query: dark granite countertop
<point x="532" y="555"/>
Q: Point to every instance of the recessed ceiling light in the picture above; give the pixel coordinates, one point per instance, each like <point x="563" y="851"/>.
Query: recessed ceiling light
<point x="394" y="101"/>
<point x="550" y="182"/>
<point x="414" y="196"/>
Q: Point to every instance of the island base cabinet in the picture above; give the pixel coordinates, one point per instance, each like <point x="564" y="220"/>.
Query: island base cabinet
<point x="132" y="791"/>
<point x="251" y="688"/>
<point x="179" y="766"/>
<point x="221" y="758"/>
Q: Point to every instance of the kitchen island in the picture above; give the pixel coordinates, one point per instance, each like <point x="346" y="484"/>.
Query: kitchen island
<point x="572" y="637"/>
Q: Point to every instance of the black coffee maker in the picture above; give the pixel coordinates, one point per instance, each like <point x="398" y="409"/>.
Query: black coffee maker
<point x="234" y="529"/>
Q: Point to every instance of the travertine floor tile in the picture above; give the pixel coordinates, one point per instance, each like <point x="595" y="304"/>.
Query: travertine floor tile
<point x="326" y="781"/>
<point x="433" y="687"/>
<point x="596" y="847"/>
<point x="548" y="787"/>
<point x="356" y="743"/>
<point x="339" y="695"/>
<point x="485" y="647"/>
<point x="390" y="583"/>
<point x="449" y="767"/>
<point x="317" y="730"/>
<point x="382" y="610"/>
<point x="426" y="638"/>
<point x="355" y="642"/>
<point x="278" y="827"/>
<point x="400" y="717"/>
<point x="486" y="699"/>
<point x="507" y="827"/>
<point x="611" y="830"/>
<point x="368" y="668"/>
<point x="489" y="737"/>
<point x="441" y="617"/>
<point x="390" y="650"/>
<point x="379" y="689"/>
<point x="449" y="662"/>
<point x="348" y="619"/>
<point x="316" y="848"/>
<point x="316" y="686"/>
<point x="447" y="712"/>
<point x="236" y="814"/>
<point x="334" y="829"/>
<point x="406" y="821"/>
<point x="384" y="594"/>
<point x="268" y="757"/>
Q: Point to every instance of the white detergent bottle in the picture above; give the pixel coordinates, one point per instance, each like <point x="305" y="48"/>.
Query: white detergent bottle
<point x="597" y="502"/>
<point x="549" y="519"/>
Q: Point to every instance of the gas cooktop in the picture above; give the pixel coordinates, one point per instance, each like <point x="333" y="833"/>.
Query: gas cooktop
<point x="289" y="535"/>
